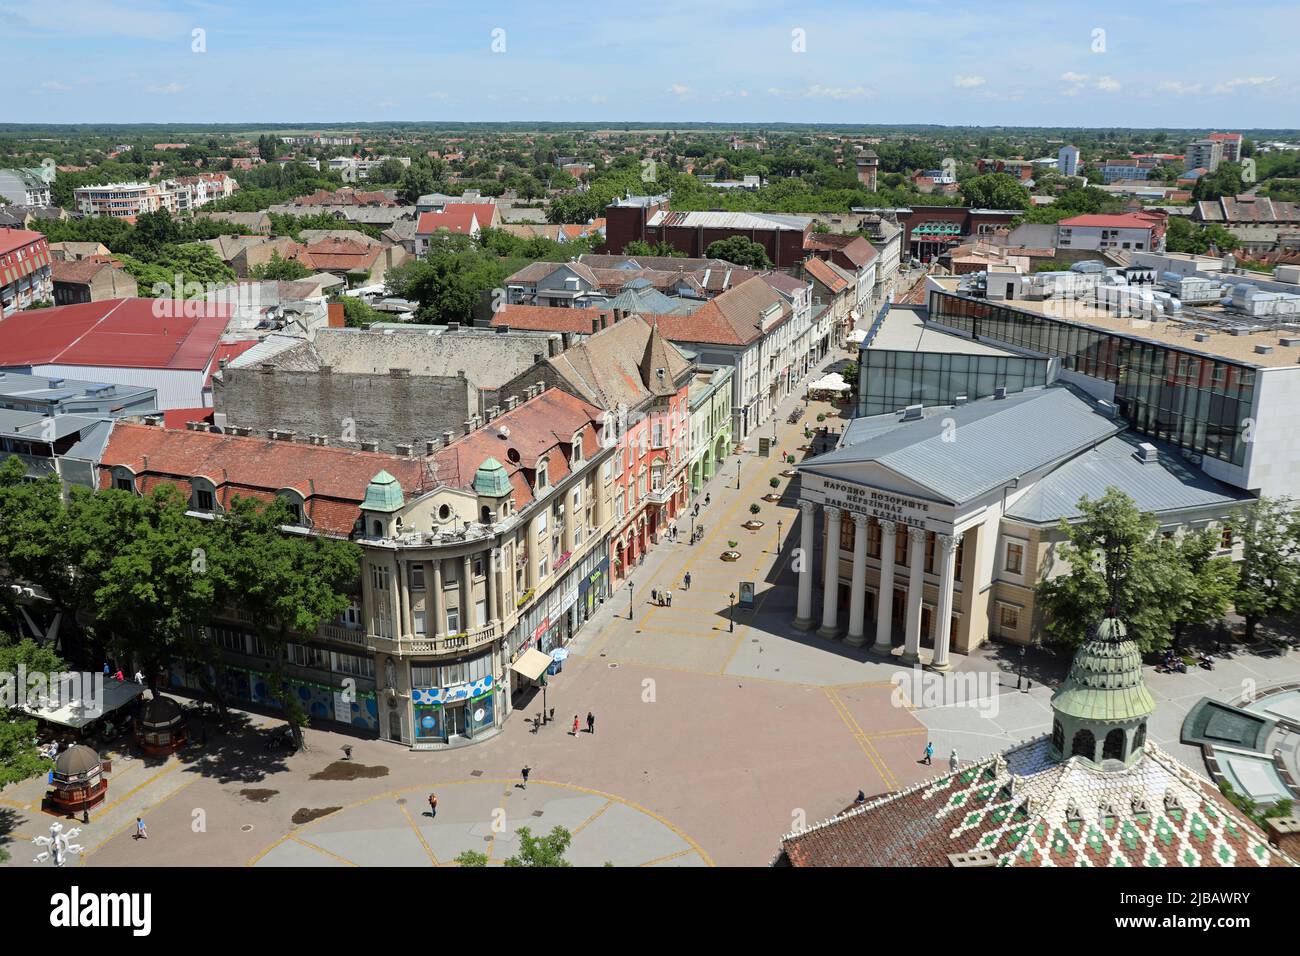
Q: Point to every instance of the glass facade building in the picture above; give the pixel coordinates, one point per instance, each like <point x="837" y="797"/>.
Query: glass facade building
<point x="1190" y="400"/>
<point x="890" y="380"/>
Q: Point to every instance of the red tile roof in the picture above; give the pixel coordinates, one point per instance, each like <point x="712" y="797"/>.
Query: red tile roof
<point x="457" y="217"/>
<point x="542" y="427"/>
<point x="11" y="239"/>
<point x="331" y="481"/>
<point x="125" y="333"/>
<point x="1132" y="221"/>
<point x="823" y="273"/>
<point x="855" y="248"/>
<point x="541" y="318"/>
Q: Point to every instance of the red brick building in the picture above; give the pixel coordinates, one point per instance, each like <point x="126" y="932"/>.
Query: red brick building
<point x="649" y="219"/>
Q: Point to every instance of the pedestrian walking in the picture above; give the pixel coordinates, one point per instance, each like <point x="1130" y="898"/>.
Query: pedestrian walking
<point x="575" y="725"/>
<point x="591" y="722"/>
<point x="668" y="598"/>
<point x="707" y="499"/>
<point x="139" y="677"/>
<point x="952" y="761"/>
<point x="524" y="773"/>
<point x="654" y="596"/>
<point x="862" y="798"/>
<point x="929" y="752"/>
<point x="140" y="832"/>
<point x="687" y="580"/>
<point x="433" y="804"/>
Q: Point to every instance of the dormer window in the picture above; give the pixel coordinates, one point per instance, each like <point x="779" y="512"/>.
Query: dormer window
<point x="123" y="480"/>
<point x="294" y="502"/>
<point x="542" y="481"/>
<point x="203" y="496"/>
<point x="577" y="448"/>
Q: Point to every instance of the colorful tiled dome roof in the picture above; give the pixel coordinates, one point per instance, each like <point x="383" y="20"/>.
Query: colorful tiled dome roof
<point x="1105" y="680"/>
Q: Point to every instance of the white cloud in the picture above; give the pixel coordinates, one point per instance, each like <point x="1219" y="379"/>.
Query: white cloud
<point x="166" y="89"/>
<point x="54" y="86"/>
<point x="680" y="90"/>
<point x="967" y="82"/>
<point x="1074" y="77"/>
<point x="837" y="92"/>
<point x="1231" y="86"/>
<point x="438" y="95"/>
<point x="1108" y="84"/>
<point x="1178" y="88"/>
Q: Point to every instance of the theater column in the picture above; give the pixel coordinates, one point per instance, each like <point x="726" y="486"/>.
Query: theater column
<point x="915" y="594"/>
<point x="858" y="592"/>
<point x="831" y="576"/>
<point x="804" y="564"/>
<point x="885" y="602"/>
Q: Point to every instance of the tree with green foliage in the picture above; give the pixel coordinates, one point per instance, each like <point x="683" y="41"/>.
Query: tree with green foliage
<point x="1183" y="235"/>
<point x="157" y="589"/>
<point x="545" y="851"/>
<point x="1209" y="584"/>
<point x="741" y="251"/>
<point x="1117" y="562"/>
<point x="995" y="191"/>
<point x="1268" y="581"/>
<point x="19" y="759"/>
<point x="451" y="281"/>
<point x="1224" y="181"/>
<point x="197" y="266"/>
<point x="472" y="858"/>
<point x="661" y="249"/>
<point x="276" y="268"/>
<point x="290" y="584"/>
<point x="357" y="313"/>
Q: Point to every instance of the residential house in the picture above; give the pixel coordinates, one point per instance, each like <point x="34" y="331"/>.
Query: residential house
<point x="90" y="280"/>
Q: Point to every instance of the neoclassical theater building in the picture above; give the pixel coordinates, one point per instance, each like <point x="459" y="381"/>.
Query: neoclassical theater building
<point x="925" y="531"/>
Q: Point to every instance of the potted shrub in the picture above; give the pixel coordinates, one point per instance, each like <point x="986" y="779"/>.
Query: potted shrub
<point x="821" y="417"/>
<point x="774" y="481"/>
<point x="754" y="509"/>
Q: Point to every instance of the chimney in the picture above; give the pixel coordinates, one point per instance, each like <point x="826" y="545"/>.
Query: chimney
<point x="567" y="339"/>
<point x="1263" y="349"/>
<point x="511" y="402"/>
<point x="446" y="438"/>
<point x="430" y="446"/>
<point x="1107" y="408"/>
<point x="618" y="315"/>
<point x="537" y="358"/>
<point x="154" y="421"/>
<point x="403" y="449"/>
<point x="541" y="387"/>
<point x="553" y="345"/>
<point x="468" y="425"/>
<point x="369" y="445"/>
<point x="223" y="363"/>
<point x="1284" y="833"/>
<point x="502" y="329"/>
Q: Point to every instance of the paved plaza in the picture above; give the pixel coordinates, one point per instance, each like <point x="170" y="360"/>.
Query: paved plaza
<point x="718" y="729"/>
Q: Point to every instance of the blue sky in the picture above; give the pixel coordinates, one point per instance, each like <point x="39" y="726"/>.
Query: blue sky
<point x="1179" y="63"/>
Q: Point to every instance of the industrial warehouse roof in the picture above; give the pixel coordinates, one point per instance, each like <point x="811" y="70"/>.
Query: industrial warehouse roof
<point x="995" y="440"/>
<point x="904" y="331"/>
<point x="120" y="333"/>
<point x="1168" y="484"/>
<point x="729" y="220"/>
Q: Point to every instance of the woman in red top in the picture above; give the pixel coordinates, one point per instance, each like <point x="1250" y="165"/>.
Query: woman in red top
<point x="575" y="725"/>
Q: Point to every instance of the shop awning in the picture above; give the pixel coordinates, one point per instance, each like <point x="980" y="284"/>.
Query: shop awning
<point x="832" y="382"/>
<point x="532" y="665"/>
<point x="77" y="712"/>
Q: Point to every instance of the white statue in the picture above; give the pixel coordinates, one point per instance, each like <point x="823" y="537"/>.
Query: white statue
<point x="58" y="844"/>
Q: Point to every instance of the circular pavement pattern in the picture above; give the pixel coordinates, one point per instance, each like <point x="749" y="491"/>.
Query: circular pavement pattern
<point x="395" y="829"/>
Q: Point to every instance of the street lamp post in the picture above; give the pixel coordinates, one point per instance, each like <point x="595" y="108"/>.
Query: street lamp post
<point x="738" y="463"/>
<point x="1020" y="676"/>
<point x="778" y="537"/>
<point x="630" y="585"/>
<point x="731" y="614"/>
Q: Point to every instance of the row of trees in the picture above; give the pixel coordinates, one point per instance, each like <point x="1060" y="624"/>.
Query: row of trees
<point x="1161" y="586"/>
<point x="138" y="578"/>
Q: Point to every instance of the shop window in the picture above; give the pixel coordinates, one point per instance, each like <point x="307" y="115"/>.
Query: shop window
<point x="1008" y="618"/>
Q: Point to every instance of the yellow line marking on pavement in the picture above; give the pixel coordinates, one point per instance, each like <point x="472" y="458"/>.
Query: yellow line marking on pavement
<point x="864" y="741"/>
<point x="15" y="806"/>
<point x="500" y="815"/>
<point x="896" y="733"/>
<point x="320" y="849"/>
<point x="389" y="794"/>
<point x="665" y="859"/>
<point x="423" y="842"/>
<point x="592" y="819"/>
<point x="706" y="635"/>
<point x="131" y="823"/>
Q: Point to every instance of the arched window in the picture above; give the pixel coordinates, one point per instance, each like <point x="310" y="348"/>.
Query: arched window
<point x="1140" y="738"/>
<point x="203" y="495"/>
<point x="1058" y="736"/>
<point x="486" y="514"/>
<point x="1113" y="748"/>
<point x="378" y="529"/>
<point x="294" y="502"/>
<point x="1084" y="745"/>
